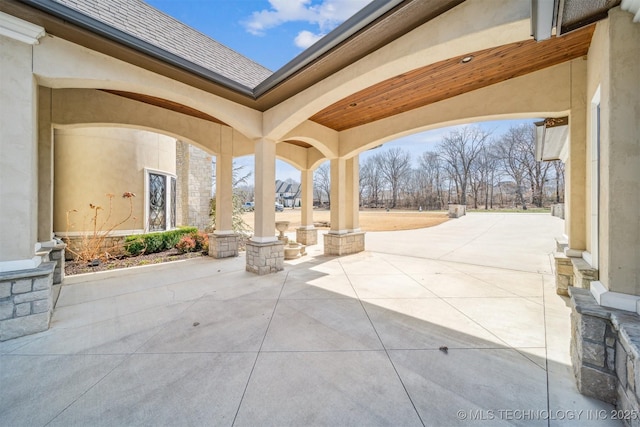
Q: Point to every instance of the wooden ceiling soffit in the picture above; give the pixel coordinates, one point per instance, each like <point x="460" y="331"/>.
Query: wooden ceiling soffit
<point x="452" y="77"/>
<point x="401" y="20"/>
<point x="166" y="104"/>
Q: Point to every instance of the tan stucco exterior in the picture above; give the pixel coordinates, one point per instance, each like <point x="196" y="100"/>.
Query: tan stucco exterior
<point x="93" y="162"/>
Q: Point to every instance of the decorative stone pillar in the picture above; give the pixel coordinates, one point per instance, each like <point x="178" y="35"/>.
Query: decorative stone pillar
<point x="307" y="233"/>
<point x="265" y="253"/>
<point x="342" y="239"/>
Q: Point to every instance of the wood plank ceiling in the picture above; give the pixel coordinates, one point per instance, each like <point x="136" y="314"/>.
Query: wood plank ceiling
<point x="452" y="77"/>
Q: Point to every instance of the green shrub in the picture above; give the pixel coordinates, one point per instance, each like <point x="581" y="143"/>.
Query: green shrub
<point x="155" y="242"/>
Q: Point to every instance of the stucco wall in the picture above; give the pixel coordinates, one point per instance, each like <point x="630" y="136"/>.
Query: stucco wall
<point x="614" y="63"/>
<point x="92" y="162"/>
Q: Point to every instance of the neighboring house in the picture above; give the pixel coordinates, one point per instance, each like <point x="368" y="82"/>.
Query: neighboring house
<point x="394" y="69"/>
<point x="288" y="193"/>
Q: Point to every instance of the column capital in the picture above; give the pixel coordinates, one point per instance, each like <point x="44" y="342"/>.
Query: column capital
<point x="20" y="30"/>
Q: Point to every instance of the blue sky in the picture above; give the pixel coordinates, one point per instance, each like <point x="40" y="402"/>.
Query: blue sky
<point x="273" y="32"/>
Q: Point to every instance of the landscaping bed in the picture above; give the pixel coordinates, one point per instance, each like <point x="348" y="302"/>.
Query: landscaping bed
<point x="77" y="267"/>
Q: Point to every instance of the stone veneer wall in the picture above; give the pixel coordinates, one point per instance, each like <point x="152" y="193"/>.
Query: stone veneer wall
<point x="113" y="245"/>
<point x="194" y="185"/>
<point x="26" y="301"/>
<point x="343" y="244"/>
<point x="564" y="273"/>
<point x="265" y="258"/>
<point x="605" y="353"/>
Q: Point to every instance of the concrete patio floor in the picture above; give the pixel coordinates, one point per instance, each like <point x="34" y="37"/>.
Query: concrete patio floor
<point x="334" y="341"/>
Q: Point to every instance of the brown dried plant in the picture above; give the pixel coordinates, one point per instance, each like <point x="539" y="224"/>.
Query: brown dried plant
<point x="91" y="246"/>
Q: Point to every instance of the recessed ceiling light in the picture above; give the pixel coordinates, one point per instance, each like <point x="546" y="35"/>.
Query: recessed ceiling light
<point x="353" y="104"/>
<point x="466" y="59"/>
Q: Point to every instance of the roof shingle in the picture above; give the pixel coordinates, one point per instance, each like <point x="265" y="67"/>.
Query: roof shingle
<point x="150" y="25"/>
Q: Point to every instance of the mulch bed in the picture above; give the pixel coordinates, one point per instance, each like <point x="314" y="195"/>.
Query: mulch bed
<point x="75" y="267"/>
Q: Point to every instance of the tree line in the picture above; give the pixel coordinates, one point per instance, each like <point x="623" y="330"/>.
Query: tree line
<point x="467" y="167"/>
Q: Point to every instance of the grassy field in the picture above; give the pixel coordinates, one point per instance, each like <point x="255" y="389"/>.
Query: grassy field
<point x="370" y="220"/>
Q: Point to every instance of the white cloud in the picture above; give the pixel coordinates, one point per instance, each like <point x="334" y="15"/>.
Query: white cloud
<point x="304" y="39"/>
<point x="326" y="15"/>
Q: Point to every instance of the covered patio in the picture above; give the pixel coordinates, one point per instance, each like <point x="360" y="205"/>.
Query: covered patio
<point x="464" y="330"/>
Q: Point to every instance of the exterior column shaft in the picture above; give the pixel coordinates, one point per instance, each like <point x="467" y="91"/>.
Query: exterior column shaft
<point x="224" y="191"/>
<point x="338" y="197"/>
<point x="265" y="189"/>
<point x="306" y="178"/>
<point x="45" y="166"/>
<point x="576" y="166"/>
<point x="352" y="178"/>
<point x="19" y="158"/>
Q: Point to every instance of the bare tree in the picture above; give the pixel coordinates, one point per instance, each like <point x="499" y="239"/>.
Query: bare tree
<point x="558" y="167"/>
<point x="322" y="182"/>
<point x="371" y="180"/>
<point x="394" y="165"/>
<point x="430" y="165"/>
<point x="515" y="157"/>
<point x="459" y="150"/>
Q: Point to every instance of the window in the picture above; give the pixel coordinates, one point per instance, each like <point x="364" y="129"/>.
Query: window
<point x="160" y="201"/>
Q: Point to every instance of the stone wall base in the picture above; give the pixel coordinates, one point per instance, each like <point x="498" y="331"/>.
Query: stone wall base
<point x="343" y="244"/>
<point x="112" y="245"/>
<point x="265" y="258"/>
<point x="583" y="273"/>
<point x="605" y="351"/>
<point x="564" y="273"/>
<point x="223" y="246"/>
<point x="26" y="301"/>
<point x="307" y="236"/>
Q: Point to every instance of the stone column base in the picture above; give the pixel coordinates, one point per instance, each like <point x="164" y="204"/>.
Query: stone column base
<point x="26" y="301"/>
<point x="564" y="273"/>
<point x="223" y="245"/>
<point x="265" y="258"/>
<point x="307" y="236"/>
<point x="343" y="244"/>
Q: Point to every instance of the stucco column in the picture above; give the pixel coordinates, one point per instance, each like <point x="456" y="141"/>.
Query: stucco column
<point x="18" y="157"/>
<point x="45" y="166"/>
<point x="576" y="166"/>
<point x="352" y="179"/>
<point x="338" y="196"/>
<point x="306" y="179"/>
<point x="620" y="157"/>
<point x="224" y="190"/>
<point x="265" y="190"/>
<point x="306" y="233"/>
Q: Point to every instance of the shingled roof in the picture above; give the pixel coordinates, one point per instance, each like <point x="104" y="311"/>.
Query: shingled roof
<point x="150" y="25"/>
